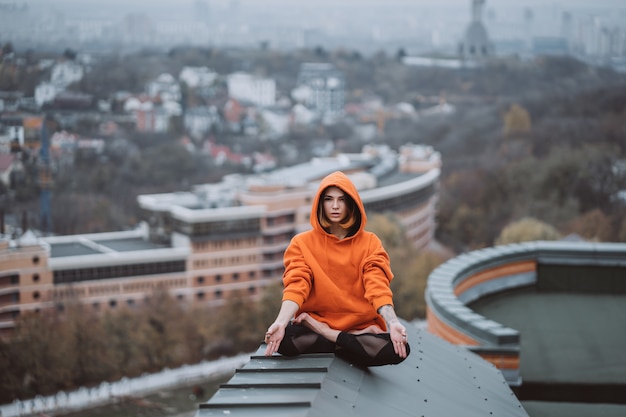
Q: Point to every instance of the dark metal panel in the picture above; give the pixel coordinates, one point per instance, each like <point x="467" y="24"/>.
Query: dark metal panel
<point x="437" y="379"/>
<point x="243" y="379"/>
<point x="255" y="412"/>
<point x="262" y="397"/>
<point x="304" y="363"/>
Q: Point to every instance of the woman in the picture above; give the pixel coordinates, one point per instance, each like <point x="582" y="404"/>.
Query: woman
<point x="336" y="294"/>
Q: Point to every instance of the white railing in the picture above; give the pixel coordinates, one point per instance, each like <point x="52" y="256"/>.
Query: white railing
<point x="108" y="392"/>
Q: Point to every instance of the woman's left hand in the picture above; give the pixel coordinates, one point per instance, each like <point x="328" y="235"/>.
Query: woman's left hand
<point x="398" y="337"/>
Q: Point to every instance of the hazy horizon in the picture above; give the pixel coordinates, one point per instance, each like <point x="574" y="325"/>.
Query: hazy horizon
<point x="358" y="24"/>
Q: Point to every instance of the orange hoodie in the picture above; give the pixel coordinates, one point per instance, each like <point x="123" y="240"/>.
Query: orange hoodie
<point x="339" y="282"/>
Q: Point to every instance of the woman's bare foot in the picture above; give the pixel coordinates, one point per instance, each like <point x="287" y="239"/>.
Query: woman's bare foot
<point x="369" y="329"/>
<point x="317" y="326"/>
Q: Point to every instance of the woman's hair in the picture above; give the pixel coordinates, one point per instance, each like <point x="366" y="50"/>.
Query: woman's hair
<point x="352" y="220"/>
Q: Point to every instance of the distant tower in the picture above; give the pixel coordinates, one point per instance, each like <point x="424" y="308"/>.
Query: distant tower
<point x="529" y="18"/>
<point x="476" y="44"/>
<point x="567" y="29"/>
<point x="45" y="177"/>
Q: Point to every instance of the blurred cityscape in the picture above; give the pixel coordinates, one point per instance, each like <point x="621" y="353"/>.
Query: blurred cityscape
<point x="175" y="145"/>
<point x="593" y="31"/>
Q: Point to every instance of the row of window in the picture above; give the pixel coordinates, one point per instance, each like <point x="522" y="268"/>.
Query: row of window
<point x="59" y="293"/>
<point x="218" y="262"/>
<point x="280" y="220"/>
<point x="402" y="202"/>
<point x="9" y="280"/>
<point x="281" y="238"/>
<point x="219" y="278"/>
<point x="9" y="299"/>
<point x="137" y="286"/>
<point x="250" y="242"/>
<point x="224" y="227"/>
<point x="198" y="296"/>
<point x="118" y="271"/>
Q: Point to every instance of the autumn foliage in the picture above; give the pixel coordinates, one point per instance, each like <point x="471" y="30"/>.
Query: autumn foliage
<point x="65" y="350"/>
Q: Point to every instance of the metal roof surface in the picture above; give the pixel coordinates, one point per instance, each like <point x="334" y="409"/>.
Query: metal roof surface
<point x="437" y="379"/>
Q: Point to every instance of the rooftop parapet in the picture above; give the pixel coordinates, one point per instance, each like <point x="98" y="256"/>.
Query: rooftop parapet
<point x="470" y="276"/>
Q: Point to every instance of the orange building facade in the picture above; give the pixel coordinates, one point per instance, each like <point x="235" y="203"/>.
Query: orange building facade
<point x="202" y="245"/>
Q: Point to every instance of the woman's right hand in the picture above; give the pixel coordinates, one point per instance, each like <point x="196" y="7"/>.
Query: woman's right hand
<point x="273" y="338"/>
<point x="276" y="332"/>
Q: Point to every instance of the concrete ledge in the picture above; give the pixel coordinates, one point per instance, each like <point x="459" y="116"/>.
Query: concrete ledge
<point x="471" y="276"/>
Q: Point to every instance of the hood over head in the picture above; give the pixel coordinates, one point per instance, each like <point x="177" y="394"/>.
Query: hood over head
<point x="340" y="180"/>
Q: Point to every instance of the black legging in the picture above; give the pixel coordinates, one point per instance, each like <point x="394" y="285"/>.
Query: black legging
<point x="367" y="349"/>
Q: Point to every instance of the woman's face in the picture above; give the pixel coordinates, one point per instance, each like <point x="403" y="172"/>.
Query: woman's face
<point x="335" y="207"/>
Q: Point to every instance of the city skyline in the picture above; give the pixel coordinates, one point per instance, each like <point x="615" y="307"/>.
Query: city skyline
<point x="369" y="26"/>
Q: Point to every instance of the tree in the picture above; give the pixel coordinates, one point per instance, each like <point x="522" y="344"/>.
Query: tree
<point x="410" y="266"/>
<point x="86" y="350"/>
<point x="37" y="359"/>
<point x="388" y="230"/>
<point x="525" y="230"/>
<point x="593" y="225"/>
<point x="516" y="121"/>
<point x="410" y="284"/>
<point x="237" y="326"/>
<point x="159" y="333"/>
<point x="621" y="237"/>
<point x="69" y="54"/>
<point x="121" y="328"/>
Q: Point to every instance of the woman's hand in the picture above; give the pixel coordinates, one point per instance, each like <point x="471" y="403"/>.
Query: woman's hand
<point x="276" y="332"/>
<point x="396" y="330"/>
<point x="398" y="337"/>
<point x="273" y="337"/>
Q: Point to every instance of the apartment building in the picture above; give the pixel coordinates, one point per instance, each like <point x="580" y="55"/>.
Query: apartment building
<point x="203" y="245"/>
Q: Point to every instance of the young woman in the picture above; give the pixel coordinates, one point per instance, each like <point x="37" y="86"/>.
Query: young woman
<point x="336" y="294"/>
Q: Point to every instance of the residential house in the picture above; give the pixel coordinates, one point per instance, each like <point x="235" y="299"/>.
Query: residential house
<point x="164" y="87"/>
<point x="11" y="138"/>
<point x="198" y="121"/>
<point x="196" y="77"/>
<point x="275" y="122"/>
<point x="45" y="93"/>
<point x="6" y="168"/>
<point x="151" y="118"/>
<point x="234" y="112"/>
<point x="247" y="87"/>
<point x="151" y="115"/>
<point x="10" y="100"/>
<point x="321" y="87"/>
<point x="65" y="73"/>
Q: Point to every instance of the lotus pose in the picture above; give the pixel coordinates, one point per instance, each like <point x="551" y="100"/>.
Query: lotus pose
<point x="336" y="295"/>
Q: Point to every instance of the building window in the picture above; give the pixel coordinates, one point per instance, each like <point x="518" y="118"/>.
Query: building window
<point x="112" y="303"/>
<point x="35" y="277"/>
<point x="251" y="274"/>
<point x="236" y="276"/>
<point x="200" y="295"/>
<point x="180" y="297"/>
<point x="252" y="289"/>
<point x="35" y="259"/>
<point x="218" y="293"/>
<point x="200" y="280"/>
<point x="218" y="278"/>
<point x="36" y="295"/>
<point x="130" y="302"/>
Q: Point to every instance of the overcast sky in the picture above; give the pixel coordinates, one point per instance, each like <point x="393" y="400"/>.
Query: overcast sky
<point x="617" y="4"/>
<point x="441" y="21"/>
